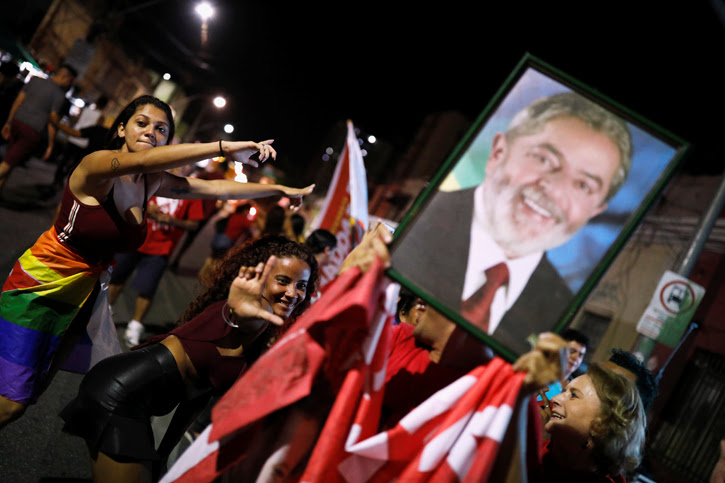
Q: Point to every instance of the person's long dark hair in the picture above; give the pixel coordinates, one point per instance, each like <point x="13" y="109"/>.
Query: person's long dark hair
<point x="115" y="142"/>
<point x="249" y="255"/>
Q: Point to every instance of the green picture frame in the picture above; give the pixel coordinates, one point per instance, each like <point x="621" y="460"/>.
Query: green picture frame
<point x="543" y="199"/>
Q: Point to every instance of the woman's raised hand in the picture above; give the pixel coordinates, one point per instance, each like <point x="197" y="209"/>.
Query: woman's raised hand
<point x="241" y="151"/>
<point x="245" y="293"/>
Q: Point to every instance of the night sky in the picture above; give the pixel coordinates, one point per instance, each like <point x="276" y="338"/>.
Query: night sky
<point x="294" y="70"/>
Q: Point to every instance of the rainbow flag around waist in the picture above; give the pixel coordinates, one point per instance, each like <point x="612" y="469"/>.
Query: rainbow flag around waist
<point x="42" y="295"/>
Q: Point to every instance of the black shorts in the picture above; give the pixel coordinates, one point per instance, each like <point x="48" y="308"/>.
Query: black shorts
<point x="149" y="270"/>
<point x="117" y="398"/>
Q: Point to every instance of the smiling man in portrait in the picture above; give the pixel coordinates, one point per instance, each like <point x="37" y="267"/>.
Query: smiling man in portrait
<point x="481" y="251"/>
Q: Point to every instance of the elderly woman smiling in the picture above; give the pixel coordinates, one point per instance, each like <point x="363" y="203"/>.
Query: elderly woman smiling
<point x="597" y="429"/>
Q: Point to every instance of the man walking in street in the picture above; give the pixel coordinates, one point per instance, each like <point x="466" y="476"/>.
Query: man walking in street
<point x="37" y="105"/>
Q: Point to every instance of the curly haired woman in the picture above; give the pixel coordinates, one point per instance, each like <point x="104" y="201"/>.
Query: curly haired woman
<point x="258" y="288"/>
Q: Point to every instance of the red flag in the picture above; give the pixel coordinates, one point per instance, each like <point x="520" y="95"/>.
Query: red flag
<point x="356" y="411"/>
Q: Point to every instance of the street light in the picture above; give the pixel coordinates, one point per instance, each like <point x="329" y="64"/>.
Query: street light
<point x="220" y="102"/>
<point x="205" y="11"/>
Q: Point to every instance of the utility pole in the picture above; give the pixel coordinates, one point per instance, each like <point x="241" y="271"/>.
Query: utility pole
<point x="644" y="345"/>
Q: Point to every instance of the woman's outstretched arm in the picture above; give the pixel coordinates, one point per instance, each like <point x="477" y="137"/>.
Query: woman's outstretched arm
<point x="225" y="189"/>
<point x="105" y="164"/>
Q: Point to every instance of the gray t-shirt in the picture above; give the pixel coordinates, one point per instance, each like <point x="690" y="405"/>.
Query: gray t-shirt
<point x="42" y="96"/>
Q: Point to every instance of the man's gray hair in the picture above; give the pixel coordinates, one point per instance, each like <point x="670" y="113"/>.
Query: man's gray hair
<point x="532" y="119"/>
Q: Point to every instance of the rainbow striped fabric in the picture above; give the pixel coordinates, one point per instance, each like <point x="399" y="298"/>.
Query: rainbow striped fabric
<point x="43" y="293"/>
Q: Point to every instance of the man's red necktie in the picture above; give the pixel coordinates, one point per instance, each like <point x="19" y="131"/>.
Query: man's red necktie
<point x="477" y="308"/>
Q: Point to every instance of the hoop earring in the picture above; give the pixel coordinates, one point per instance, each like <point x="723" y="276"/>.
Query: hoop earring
<point x="228" y="318"/>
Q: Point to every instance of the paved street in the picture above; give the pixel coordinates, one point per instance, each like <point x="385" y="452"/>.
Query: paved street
<point x="34" y="448"/>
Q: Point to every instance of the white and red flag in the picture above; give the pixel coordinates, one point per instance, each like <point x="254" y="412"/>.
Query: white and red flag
<point x="454" y="435"/>
<point x="345" y="211"/>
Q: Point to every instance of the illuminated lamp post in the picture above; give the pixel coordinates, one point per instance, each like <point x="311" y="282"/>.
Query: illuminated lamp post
<point x="205" y="11"/>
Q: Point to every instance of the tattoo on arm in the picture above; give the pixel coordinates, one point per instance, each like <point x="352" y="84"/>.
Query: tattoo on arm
<point x="179" y="191"/>
<point x="115" y="164"/>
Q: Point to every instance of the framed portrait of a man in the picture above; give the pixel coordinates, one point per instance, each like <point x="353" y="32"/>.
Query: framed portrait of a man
<point x="525" y="215"/>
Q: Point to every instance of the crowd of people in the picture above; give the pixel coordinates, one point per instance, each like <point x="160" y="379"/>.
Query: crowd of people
<point x="123" y="207"/>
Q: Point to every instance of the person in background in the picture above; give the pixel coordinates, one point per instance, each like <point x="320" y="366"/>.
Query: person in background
<point x="578" y="344"/>
<point x="87" y="135"/>
<point x="410" y="307"/>
<point x="213" y="170"/>
<point x="228" y="231"/>
<point x="233" y="229"/>
<point x="37" y="104"/>
<point x="423" y="359"/>
<point x="10" y="87"/>
<point x="263" y="205"/>
<point x="323" y="243"/>
<point x="297" y="223"/>
<point x="628" y="365"/>
<point x="274" y="223"/>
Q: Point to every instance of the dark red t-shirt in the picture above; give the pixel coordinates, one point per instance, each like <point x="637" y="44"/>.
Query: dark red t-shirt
<point x="411" y="377"/>
<point x="237" y="224"/>
<point x="162" y="238"/>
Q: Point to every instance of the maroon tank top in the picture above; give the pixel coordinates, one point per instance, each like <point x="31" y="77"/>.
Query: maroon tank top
<point x="97" y="232"/>
<point x="198" y="337"/>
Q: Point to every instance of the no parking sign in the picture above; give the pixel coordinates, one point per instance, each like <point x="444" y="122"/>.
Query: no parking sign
<point x="672" y="306"/>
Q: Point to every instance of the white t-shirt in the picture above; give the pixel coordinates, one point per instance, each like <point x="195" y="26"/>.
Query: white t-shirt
<point x="88" y="117"/>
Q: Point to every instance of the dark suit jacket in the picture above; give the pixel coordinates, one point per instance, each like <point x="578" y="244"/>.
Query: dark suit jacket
<point x="433" y="256"/>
